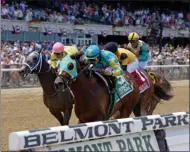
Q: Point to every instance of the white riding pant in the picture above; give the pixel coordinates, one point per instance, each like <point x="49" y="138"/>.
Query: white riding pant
<point x="149" y="56"/>
<point x="133" y="66"/>
<point x="143" y="64"/>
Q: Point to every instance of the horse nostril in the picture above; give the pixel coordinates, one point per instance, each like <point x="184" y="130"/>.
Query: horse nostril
<point x="21" y="72"/>
<point x="59" y="85"/>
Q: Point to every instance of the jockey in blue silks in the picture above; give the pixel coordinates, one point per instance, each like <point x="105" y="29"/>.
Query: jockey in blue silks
<point x="105" y="60"/>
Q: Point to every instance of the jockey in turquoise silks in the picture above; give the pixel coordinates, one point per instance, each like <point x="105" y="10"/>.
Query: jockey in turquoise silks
<point x="140" y="49"/>
<point x="105" y="60"/>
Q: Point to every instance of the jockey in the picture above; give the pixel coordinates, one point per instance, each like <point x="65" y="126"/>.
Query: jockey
<point x="59" y="51"/>
<point x="104" y="59"/>
<point x="140" y="49"/>
<point x="127" y="59"/>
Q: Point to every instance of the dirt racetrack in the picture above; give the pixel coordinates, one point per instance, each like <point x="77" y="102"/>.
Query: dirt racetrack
<point x="23" y="109"/>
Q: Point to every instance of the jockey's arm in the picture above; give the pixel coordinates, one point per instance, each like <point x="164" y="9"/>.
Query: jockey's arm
<point x="124" y="61"/>
<point x="53" y="64"/>
<point x="116" y="68"/>
<point x="53" y="61"/>
<point x="144" y="53"/>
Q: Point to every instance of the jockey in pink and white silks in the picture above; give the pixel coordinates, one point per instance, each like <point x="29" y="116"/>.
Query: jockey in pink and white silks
<point x="140" y="49"/>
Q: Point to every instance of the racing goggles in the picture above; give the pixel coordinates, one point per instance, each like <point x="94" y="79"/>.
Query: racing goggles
<point x="92" y="60"/>
<point x="133" y="41"/>
<point x="58" y="54"/>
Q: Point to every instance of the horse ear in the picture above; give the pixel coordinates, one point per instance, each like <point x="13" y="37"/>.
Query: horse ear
<point x="38" y="48"/>
<point x="77" y="55"/>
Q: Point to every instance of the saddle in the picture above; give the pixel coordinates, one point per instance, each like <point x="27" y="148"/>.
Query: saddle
<point x="108" y="80"/>
<point x="138" y="77"/>
<point x="141" y="79"/>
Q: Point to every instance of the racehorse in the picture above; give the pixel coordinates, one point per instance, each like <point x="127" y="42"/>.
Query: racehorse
<point x="91" y="93"/>
<point x="56" y="101"/>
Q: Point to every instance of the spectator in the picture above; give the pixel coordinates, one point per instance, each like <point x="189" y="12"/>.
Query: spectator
<point x="107" y="14"/>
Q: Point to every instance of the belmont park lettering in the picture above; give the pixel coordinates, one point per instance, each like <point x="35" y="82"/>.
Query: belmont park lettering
<point x="102" y="130"/>
<point x="125" y="144"/>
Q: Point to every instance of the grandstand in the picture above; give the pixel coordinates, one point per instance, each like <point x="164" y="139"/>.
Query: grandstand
<point x="79" y="23"/>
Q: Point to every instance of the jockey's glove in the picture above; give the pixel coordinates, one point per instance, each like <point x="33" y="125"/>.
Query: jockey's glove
<point x="106" y="72"/>
<point x="55" y="69"/>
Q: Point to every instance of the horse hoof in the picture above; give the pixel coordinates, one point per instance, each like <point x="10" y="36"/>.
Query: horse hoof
<point x="111" y="118"/>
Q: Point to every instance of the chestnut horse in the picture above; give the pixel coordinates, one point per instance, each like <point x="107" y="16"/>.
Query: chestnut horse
<point x="92" y="98"/>
<point x="160" y="89"/>
<point x="58" y="102"/>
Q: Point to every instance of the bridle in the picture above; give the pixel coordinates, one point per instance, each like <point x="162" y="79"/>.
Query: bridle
<point x="38" y="66"/>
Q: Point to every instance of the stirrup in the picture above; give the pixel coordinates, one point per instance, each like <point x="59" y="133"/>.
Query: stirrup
<point x="111" y="91"/>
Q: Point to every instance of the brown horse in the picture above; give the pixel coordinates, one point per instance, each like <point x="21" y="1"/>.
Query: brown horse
<point x="91" y="94"/>
<point x="162" y="91"/>
<point x="56" y="101"/>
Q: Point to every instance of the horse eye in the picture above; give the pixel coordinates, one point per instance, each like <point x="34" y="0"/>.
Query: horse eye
<point x="35" y="58"/>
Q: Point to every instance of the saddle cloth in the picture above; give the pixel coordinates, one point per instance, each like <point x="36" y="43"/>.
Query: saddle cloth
<point x="122" y="88"/>
<point x="141" y="80"/>
<point x="153" y="77"/>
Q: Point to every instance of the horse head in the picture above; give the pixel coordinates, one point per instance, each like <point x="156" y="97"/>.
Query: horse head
<point x="69" y="69"/>
<point x="163" y="88"/>
<point x="34" y="63"/>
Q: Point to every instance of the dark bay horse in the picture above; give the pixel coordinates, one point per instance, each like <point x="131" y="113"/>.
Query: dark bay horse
<point x="56" y="101"/>
<point x="91" y="94"/>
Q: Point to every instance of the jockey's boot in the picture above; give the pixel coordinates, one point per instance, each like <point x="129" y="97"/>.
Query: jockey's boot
<point x="113" y="85"/>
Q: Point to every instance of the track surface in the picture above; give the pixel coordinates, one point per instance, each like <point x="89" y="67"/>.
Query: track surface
<point x="23" y="109"/>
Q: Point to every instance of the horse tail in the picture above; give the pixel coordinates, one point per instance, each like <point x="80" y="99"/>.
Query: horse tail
<point x="163" y="89"/>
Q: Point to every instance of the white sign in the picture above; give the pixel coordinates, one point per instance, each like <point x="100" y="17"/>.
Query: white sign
<point x="69" y="134"/>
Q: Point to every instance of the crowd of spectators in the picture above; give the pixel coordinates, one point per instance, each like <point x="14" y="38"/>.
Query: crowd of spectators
<point x="80" y="12"/>
<point x="15" y="53"/>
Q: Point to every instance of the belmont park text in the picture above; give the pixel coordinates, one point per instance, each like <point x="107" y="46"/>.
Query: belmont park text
<point x="70" y="134"/>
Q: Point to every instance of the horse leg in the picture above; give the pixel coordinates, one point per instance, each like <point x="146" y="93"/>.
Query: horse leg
<point x="137" y="110"/>
<point x="115" y="116"/>
<point x="155" y="100"/>
<point x="58" y="115"/>
<point x="142" y="106"/>
<point x="125" y="111"/>
<point x="67" y="115"/>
